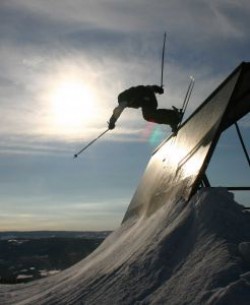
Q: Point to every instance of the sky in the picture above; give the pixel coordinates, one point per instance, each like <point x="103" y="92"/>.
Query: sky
<point x="63" y="63"/>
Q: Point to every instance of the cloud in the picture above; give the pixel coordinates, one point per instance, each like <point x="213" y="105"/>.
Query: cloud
<point x="113" y="45"/>
<point x="212" y="19"/>
<point x="80" y="215"/>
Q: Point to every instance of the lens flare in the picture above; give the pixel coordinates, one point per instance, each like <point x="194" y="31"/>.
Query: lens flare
<point x="153" y="134"/>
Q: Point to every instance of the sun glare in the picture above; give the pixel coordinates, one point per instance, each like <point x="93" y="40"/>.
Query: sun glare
<point x="72" y="105"/>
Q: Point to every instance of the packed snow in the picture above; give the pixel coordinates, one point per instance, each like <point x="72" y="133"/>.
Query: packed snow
<point x="195" y="253"/>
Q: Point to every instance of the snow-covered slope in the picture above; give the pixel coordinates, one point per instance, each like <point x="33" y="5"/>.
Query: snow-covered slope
<point x="195" y="253"/>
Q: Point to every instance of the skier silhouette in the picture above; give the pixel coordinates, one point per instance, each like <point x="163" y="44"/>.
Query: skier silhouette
<point x="144" y="97"/>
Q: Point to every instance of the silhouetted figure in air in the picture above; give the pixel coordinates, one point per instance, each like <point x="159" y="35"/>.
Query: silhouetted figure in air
<point x="144" y="97"/>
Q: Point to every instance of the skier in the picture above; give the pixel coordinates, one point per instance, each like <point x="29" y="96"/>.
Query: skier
<point x="144" y="97"/>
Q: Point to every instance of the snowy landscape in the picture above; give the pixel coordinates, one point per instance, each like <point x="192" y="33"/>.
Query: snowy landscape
<point x="195" y="253"/>
<point x="27" y="256"/>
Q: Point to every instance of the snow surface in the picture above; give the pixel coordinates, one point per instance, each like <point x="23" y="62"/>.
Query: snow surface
<point x="185" y="253"/>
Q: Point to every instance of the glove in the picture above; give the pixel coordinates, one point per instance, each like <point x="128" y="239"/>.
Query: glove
<point x="161" y="90"/>
<point x="158" y="89"/>
<point x="111" y="123"/>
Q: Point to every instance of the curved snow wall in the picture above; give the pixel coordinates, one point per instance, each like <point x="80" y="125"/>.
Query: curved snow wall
<point x="178" y="164"/>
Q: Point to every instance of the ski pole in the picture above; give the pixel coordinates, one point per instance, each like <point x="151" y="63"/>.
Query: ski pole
<point x="90" y="143"/>
<point x="188" y="94"/>
<point x="163" y="57"/>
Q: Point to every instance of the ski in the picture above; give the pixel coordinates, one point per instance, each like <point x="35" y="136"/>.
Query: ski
<point x="182" y="110"/>
<point x="188" y="94"/>
<point x="90" y="143"/>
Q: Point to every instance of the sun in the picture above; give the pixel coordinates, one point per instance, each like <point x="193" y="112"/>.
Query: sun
<point x="72" y="105"/>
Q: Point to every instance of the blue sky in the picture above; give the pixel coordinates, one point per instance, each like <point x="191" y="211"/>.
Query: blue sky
<point x="63" y="63"/>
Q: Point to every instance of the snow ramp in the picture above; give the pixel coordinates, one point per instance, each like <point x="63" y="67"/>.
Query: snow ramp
<point x="179" y="251"/>
<point x="195" y="254"/>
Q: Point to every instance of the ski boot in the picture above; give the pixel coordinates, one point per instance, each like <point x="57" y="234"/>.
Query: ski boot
<point x="179" y="115"/>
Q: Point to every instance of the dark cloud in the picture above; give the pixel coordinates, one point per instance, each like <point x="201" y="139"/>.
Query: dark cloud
<point x="21" y="26"/>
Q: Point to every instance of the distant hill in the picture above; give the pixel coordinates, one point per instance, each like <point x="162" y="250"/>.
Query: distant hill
<point x="26" y="256"/>
<point x="50" y="234"/>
